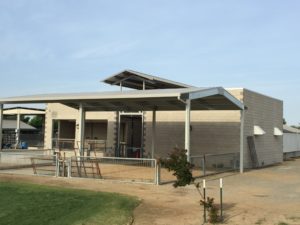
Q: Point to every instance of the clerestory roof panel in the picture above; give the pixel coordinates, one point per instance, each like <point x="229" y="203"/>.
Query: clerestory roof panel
<point x="137" y="80"/>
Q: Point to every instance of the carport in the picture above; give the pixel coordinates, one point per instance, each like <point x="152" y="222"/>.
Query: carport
<point x="20" y="111"/>
<point x="174" y="99"/>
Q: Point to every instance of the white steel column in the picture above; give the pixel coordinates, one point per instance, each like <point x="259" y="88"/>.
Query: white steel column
<point x="144" y="85"/>
<point x="81" y="128"/>
<point x="118" y="117"/>
<point x="242" y="141"/>
<point x="1" y="124"/>
<point x="153" y="133"/>
<point x="18" y="131"/>
<point x="187" y="143"/>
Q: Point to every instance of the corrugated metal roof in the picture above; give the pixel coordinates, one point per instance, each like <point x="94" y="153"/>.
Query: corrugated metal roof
<point x="12" y="124"/>
<point x="23" y="111"/>
<point x="45" y="98"/>
<point x="133" y="79"/>
<point x="288" y="129"/>
<point x="216" y="98"/>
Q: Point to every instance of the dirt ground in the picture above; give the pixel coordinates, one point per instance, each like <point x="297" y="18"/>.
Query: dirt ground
<point x="265" y="196"/>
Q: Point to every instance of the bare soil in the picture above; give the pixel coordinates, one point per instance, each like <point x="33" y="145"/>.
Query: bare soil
<point x="265" y="196"/>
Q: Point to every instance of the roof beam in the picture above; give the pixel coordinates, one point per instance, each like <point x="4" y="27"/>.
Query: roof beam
<point x="123" y="79"/>
<point x="211" y="92"/>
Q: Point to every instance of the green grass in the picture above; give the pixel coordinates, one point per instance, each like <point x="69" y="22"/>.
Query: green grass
<point x="29" y="204"/>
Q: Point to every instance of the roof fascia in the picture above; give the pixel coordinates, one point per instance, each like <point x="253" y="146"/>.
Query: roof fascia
<point x="211" y="92"/>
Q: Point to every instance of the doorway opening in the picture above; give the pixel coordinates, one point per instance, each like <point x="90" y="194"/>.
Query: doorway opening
<point x="131" y="136"/>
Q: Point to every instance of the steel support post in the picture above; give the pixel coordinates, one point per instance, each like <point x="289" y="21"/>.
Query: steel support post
<point x="18" y="130"/>
<point x="242" y="141"/>
<point x="81" y="127"/>
<point x="153" y="141"/>
<point x="187" y="141"/>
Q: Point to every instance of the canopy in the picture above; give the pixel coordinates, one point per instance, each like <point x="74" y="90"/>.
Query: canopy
<point x="137" y="80"/>
<point x="216" y="98"/>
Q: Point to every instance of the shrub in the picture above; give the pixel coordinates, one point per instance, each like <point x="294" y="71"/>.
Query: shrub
<point x="182" y="169"/>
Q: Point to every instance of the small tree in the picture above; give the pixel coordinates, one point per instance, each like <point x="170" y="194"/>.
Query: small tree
<point x="182" y="169"/>
<point x="25" y="119"/>
<point x="178" y="163"/>
<point x="284" y="121"/>
<point x="36" y="121"/>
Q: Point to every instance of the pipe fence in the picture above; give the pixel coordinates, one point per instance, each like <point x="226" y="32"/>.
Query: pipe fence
<point x="208" y="164"/>
<point x="114" y="168"/>
<point x="204" y="165"/>
<point x="140" y="170"/>
<point x="28" y="163"/>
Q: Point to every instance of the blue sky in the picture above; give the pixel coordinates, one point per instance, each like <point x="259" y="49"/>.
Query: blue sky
<point x="49" y="46"/>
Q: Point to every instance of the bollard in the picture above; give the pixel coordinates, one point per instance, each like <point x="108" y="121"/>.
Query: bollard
<point x="204" y="205"/>
<point x="221" y="198"/>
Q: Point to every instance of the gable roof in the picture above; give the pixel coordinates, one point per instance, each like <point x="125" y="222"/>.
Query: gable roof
<point x="23" y="111"/>
<point x="12" y="124"/>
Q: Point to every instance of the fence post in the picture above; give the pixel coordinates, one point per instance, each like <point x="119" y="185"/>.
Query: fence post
<point x="56" y="165"/>
<point x="203" y="165"/>
<point x="70" y="168"/>
<point x="157" y="170"/>
<point x="204" y="205"/>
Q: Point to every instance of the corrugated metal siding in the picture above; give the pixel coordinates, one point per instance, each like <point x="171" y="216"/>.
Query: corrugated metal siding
<point x="291" y="142"/>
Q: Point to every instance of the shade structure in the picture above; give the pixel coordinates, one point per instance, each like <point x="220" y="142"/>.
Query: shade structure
<point x="23" y="111"/>
<point x="216" y="98"/>
<point x="141" y="81"/>
<point x="184" y="99"/>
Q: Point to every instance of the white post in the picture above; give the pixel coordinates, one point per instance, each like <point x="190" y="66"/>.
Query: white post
<point x="187" y="128"/>
<point x="18" y="131"/>
<point x="144" y="85"/>
<point x="1" y="124"/>
<point x="117" y="152"/>
<point x="242" y="142"/>
<point x="81" y="128"/>
<point x="153" y="133"/>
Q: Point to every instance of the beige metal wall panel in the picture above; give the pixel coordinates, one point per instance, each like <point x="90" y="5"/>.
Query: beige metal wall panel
<point x="96" y="130"/>
<point x="56" y="111"/>
<point x="291" y="142"/>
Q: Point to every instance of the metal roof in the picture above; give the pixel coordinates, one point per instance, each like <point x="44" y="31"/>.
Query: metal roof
<point x="288" y="129"/>
<point x="23" y="111"/>
<point x="216" y="98"/>
<point x="12" y="125"/>
<point x="133" y="79"/>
